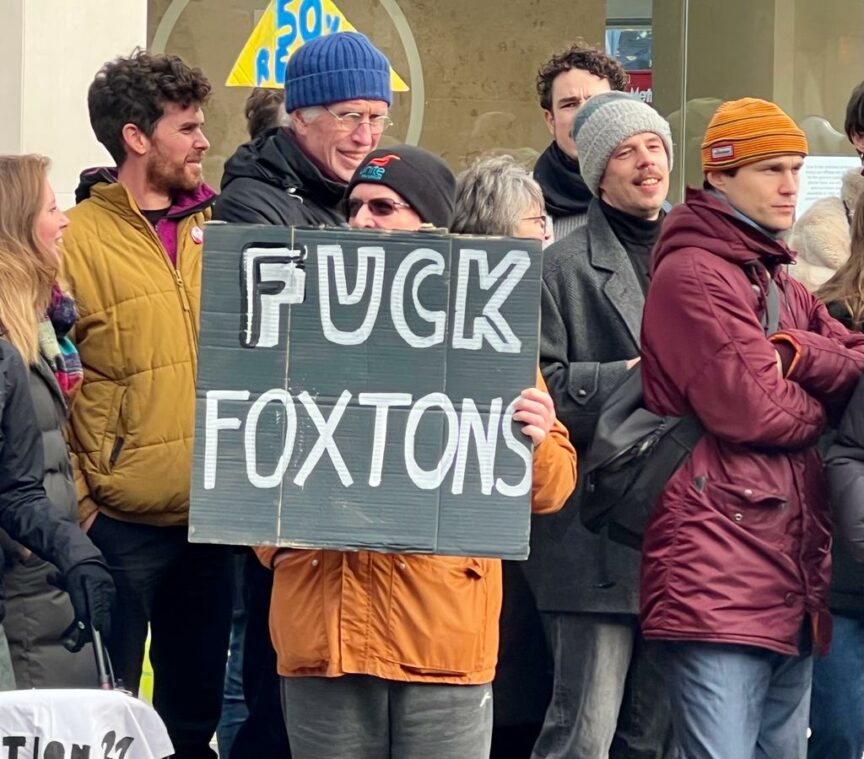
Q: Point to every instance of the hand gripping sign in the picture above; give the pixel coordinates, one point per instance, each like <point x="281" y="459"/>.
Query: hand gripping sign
<point x="356" y="390"/>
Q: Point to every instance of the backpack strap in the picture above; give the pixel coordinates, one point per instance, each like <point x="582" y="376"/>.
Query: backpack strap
<point x="771" y="317"/>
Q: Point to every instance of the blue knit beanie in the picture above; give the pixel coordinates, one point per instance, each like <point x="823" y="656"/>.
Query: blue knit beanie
<point x="336" y="67"/>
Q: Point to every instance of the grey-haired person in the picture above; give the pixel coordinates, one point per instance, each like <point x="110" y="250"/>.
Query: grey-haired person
<point x="337" y="101"/>
<point x="496" y="195"/>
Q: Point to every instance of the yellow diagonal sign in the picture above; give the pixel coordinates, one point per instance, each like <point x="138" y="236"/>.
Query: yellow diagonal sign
<point x="284" y="27"/>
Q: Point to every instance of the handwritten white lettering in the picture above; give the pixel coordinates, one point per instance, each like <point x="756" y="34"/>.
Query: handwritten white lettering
<point x="366" y="255"/>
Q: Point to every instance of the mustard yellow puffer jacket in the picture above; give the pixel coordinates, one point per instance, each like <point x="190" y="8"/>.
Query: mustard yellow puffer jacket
<point x="132" y="421"/>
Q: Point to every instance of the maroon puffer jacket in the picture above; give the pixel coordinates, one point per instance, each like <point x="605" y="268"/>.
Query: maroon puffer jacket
<point x="739" y="545"/>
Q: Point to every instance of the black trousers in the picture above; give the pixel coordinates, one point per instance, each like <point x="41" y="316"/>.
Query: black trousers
<point x="183" y="590"/>
<point x="263" y="734"/>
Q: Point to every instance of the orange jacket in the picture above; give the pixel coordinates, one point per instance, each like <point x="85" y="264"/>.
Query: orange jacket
<point x="403" y="617"/>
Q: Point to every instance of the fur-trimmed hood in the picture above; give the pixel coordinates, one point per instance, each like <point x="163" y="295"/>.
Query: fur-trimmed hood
<point x="821" y="237"/>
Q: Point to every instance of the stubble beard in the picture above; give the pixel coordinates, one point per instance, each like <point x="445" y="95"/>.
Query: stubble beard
<point x="168" y="179"/>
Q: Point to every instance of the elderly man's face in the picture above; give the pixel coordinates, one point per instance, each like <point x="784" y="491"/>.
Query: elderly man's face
<point x="335" y="141"/>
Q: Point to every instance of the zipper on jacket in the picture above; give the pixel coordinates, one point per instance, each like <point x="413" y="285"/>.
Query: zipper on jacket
<point x="181" y="286"/>
<point x="187" y="306"/>
<point x="115" y="450"/>
<point x="178" y="280"/>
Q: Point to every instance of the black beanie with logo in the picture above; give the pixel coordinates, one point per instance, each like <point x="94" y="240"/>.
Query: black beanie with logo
<point x="420" y="177"/>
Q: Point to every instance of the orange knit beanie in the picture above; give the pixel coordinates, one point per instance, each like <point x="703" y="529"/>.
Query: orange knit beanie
<point x="748" y="130"/>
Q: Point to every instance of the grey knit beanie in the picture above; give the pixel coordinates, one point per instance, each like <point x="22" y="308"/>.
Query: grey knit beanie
<point x="604" y="122"/>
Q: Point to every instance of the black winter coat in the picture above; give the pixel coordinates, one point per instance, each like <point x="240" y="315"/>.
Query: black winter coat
<point x="37" y="613"/>
<point x="845" y="467"/>
<point x="26" y="514"/>
<point x="271" y="181"/>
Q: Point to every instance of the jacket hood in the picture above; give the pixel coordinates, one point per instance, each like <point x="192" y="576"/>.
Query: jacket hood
<point x="91" y="177"/>
<point x="275" y="158"/>
<point x="853" y="186"/>
<point x="704" y="221"/>
<point x="185" y="203"/>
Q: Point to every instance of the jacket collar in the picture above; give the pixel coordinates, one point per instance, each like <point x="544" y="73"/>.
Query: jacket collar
<point x="189" y="203"/>
<point x="95" y="181"/>
<point x="307" y="176"/>
<point x="117" y="197"/>
<point x="706" y="222"/>
<point x="44" y="371"/>
<point x="622" y="287"/>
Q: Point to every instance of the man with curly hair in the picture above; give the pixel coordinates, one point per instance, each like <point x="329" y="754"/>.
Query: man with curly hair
<point x="133" y="259"/>
<point x="564" y="83"/>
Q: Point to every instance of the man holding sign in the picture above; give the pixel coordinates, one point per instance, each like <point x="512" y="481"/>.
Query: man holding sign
<point x="337" y="97"/>
<point x="394" y="654"/>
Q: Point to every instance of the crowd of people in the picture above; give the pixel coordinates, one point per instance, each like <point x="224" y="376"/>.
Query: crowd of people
<point x="712" y="642"/>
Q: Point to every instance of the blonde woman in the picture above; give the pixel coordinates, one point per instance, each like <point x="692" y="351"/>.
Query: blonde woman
<point x="35" y="317"/>
<point x="837" y="698"/>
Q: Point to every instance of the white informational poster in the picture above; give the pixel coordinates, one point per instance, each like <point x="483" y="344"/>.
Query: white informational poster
<point x="821" y="177"/>
<point x="80" y="724"/>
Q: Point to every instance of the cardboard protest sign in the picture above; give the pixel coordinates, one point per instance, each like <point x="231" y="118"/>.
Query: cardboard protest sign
<point x="355" y="390"/>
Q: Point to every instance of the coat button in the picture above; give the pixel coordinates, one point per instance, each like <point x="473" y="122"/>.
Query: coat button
<point x="738" y="516"/>
<point x="403" y="565"/>
<point x="790" y="599"/>
<point x="581" y="392"/>
<point x="315" y="562"/>
<point x="748" y="492"/>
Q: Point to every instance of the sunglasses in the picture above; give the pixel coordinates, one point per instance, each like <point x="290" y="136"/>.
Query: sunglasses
<point x="377" y="206"/>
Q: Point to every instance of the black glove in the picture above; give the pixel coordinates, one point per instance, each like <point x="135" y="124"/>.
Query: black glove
<point x="91" y="591"/>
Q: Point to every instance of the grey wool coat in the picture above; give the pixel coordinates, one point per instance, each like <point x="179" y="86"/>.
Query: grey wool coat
<point x="591" y="313"/>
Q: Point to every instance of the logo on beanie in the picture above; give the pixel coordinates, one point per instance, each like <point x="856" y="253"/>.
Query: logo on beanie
<point x="722" y="151"/>
<point x="375" y="168"/>
<point x="384" y="160"/>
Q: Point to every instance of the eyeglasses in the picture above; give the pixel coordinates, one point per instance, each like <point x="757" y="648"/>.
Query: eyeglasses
<point x="348" y="122"/>
<point x="377" y="206"/>
<point x="539" y="220"/>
